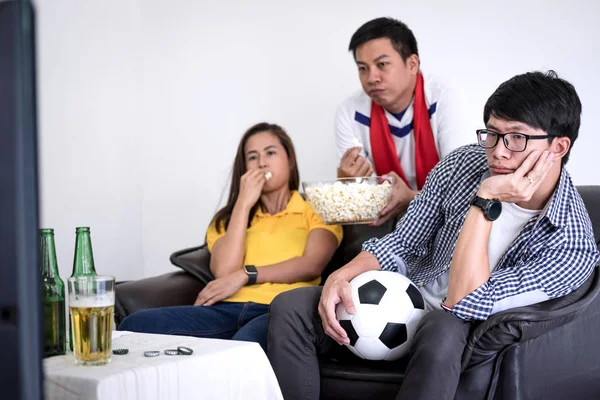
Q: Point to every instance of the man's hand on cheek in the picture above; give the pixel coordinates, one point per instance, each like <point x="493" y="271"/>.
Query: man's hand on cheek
<point x="523" y="183"/>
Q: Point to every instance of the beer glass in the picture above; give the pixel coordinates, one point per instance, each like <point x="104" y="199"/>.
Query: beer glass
<point x="91" y="306"/>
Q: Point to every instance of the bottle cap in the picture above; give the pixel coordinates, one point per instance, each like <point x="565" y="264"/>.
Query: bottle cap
<point x="152" y="353"/>
<point x="186" y="351"/>
<point x="120" y="352"/>
<point x="172" y="352"/>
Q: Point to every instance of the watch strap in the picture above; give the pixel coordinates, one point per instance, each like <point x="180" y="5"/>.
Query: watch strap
<point x="485" y="205"/>
<point x="252" y="273"/>
<point x="480" y="202"/>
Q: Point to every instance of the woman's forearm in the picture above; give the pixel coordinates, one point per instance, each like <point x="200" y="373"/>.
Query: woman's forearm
<point x="297" y="269"/>
<point x="228" y="253"/>
<point x="320" y="246"/>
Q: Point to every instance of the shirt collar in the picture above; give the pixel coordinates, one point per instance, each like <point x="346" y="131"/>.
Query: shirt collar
<point x="557" y="209"/>
<point x="294" y="206"/>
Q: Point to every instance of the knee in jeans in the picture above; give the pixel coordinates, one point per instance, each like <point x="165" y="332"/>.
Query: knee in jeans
<point x="296" y="300"/>
<point x="279" y="304"/>
<point x="142" y="321"/>
<point x="295" y="303"/>
<point x="439" y="334"/>
<point x="127" y="324"/>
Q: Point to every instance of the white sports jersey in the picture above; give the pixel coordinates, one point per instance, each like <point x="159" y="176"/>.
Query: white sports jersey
<point x="447" y="124"/>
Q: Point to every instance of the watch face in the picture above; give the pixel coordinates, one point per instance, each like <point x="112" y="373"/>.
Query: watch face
<point x="494" y="210"/>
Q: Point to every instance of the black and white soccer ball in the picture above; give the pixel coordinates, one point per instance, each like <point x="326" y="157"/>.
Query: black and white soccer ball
<point x="388" y="309"/>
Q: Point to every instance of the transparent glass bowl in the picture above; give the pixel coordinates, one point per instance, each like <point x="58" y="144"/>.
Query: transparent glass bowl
<point x="348" y="200"/>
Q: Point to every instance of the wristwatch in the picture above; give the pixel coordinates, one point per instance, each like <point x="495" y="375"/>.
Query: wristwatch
<point x="252" y="273"/>
<point x="491" y="208"/>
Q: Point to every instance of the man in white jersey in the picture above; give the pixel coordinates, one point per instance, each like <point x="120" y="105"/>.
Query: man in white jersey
<point x="498" y="225"/>
<point x="420" y="118"/>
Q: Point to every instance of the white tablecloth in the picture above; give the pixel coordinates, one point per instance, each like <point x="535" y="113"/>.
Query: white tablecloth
<point x="218" y="369"/>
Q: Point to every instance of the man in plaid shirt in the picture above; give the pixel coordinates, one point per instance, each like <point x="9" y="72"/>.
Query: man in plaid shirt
<point x="497" y="225"/>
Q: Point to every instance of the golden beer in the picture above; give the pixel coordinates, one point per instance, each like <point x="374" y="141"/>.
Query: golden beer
<point x="92" y="305"/>
<point x="91" y="327"/>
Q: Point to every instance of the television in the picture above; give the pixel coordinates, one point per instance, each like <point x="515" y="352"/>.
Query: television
<point x="20" y="301"/>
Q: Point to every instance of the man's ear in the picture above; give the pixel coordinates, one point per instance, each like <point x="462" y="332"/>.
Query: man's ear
<point x="412" y="63"/>
<point x="560" y="146"/>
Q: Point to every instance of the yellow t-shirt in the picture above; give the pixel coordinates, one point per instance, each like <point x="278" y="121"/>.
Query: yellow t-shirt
<point x="271" y="239"/>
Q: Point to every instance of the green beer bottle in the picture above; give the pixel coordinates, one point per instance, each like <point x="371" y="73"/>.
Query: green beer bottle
<point x="83" y="262"/>
<point x="53" y="293"/>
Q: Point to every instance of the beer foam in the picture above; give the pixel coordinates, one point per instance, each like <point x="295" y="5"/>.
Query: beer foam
<point x="95" y="301"/>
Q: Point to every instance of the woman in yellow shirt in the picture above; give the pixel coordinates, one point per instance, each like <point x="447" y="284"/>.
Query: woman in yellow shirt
<point x="265" y="241"/>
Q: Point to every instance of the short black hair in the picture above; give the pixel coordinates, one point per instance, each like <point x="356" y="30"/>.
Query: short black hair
<point x="541" y="100"/>
<point x="401" y="36"/>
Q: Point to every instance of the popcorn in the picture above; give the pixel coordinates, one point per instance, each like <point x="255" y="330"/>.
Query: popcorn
<point x="352" y="201"/>
<point x="356" y="143"/>
<point x="268" y="175"/>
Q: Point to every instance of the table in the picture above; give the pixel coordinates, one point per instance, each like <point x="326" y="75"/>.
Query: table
<point x="218" y="369"/>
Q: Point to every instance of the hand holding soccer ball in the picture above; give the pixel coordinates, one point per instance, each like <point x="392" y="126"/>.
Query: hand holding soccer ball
<point x="389" y="308"/>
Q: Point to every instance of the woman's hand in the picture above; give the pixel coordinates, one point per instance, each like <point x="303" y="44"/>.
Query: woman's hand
<point x="251" y="185"/>
<point x="221" y="288"/>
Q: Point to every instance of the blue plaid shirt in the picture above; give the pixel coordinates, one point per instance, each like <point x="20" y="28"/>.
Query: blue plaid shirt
<point x="554" y="253"/>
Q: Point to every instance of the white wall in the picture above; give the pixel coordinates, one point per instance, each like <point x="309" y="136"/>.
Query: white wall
<point x="90" y="130"/>
<point x="142" y="103"/>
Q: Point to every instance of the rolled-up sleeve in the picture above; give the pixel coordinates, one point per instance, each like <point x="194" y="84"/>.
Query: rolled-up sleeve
<point x="553" y="273"/>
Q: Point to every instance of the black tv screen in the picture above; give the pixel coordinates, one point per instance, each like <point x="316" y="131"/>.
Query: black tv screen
<point x="20" y="318"/>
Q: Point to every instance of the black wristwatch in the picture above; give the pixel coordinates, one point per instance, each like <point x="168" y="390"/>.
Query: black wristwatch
<point x="252" y="273"/>
<point x="491" y="208"/>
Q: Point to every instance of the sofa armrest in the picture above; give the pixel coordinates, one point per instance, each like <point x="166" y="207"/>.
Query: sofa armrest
<point x="172" y="289"/>
<point x="591" y="198"/>
<point x="195" y="261"/>
<point x="523" y="323"/>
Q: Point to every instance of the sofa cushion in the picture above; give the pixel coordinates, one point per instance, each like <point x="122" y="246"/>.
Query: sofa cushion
<point x="195" y="261"/>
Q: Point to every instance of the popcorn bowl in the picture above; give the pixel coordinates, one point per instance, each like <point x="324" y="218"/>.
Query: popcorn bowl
<point x="348" y="200"/>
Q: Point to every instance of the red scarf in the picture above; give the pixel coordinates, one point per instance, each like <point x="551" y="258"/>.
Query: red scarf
<point x="383" y="148"/>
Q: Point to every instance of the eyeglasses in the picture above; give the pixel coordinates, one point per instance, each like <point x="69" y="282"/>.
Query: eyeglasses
<point x="513" y="141"/>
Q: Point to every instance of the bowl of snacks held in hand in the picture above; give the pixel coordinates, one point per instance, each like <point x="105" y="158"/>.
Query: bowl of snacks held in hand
<point x="349" y="200"/>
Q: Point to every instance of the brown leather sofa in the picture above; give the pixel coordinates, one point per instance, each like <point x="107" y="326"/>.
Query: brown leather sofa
<point x="549" y="350"/>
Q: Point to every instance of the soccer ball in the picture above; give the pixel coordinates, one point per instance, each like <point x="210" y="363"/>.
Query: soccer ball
<point x="388" y="310"/>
